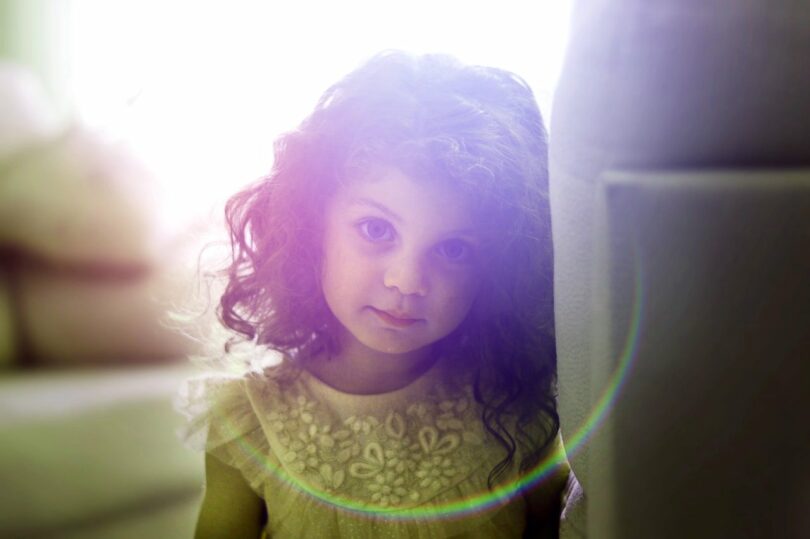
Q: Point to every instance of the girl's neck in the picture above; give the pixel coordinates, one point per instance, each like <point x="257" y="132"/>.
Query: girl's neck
<point x="360" y="370"/>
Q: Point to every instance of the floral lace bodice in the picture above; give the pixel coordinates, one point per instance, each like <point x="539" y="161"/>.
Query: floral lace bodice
<point x="304" y="446"/>
<point x="399" y="458"/>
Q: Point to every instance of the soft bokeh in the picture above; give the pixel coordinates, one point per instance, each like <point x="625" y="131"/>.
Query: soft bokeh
<point x="124" y="126"/>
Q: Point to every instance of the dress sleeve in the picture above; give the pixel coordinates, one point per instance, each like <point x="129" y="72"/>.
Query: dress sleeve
<point x="222" y="421"/>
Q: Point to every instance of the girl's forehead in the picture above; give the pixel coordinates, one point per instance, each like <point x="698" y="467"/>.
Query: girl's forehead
<point x="405" y="197"/>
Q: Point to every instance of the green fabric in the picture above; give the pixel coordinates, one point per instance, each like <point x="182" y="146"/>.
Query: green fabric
<point x="98" y="465"/>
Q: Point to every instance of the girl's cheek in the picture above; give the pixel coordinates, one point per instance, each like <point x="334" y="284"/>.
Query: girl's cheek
<point x="365" y="253"/>
<point x="366" y="250"/>
<point x="461" y="282"/>
<point x="467" y="274"/>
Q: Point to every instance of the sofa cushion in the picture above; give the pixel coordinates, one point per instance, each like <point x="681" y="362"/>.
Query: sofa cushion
<point x="85" y="447"/>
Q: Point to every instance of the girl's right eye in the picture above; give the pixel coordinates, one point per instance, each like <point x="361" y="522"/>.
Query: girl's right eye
<point x="376" y="230"/>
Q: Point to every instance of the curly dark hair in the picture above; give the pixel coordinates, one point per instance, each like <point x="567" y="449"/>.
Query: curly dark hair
<point x="439" y="120"/>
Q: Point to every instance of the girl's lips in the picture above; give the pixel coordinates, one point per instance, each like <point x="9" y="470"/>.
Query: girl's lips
<point x="396" y="320"/>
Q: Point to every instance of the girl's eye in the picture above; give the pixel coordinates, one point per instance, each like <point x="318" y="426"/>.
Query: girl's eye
<point x="455" y="250"/>
<point x="376" y="230"/>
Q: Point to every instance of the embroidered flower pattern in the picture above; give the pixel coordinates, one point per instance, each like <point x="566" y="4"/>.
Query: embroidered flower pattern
<point x="399" y="455"/>
<point x="331" y="479"/>
<point x="435" y="472"/>
<point x="370" y="464"/>
<point x="364" y="424"/>
<point x="385" y="462"/>
<point x="388" y="489"/>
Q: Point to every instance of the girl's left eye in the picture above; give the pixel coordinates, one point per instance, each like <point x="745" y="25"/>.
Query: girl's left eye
<point x="455" y="250"/>
<point x="376" y="230"/>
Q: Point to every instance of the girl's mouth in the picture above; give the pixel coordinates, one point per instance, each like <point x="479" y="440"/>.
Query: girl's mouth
<point x="395" y="319"/>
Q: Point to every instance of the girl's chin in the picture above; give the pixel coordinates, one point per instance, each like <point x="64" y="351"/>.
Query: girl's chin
<point x="396" y="347"/>
<point x="399" y="350"/>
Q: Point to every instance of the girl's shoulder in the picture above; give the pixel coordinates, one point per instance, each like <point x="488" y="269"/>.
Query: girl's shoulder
<point x="224" y="405"/>
<point x="224" y="413"/>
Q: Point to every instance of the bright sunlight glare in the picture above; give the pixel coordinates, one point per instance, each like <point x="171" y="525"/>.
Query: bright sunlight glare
<point x="201" y="89"/>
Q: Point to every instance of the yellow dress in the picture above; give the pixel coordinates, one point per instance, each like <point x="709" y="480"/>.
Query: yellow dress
<point x="412" y="463"/>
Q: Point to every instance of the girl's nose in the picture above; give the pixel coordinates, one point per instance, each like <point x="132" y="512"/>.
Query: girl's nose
<point x="407" y="276"/>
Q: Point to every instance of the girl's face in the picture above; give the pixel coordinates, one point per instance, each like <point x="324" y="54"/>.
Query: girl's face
<point x="400" y="267"/>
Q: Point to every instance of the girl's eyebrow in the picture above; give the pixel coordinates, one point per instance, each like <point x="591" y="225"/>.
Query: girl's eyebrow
<point x="467" y="233"/>
<point x="470" y="233"/>
<point x="377" y="205"/>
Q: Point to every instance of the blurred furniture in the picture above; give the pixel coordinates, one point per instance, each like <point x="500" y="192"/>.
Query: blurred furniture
<point x="701" y="289"/>
<point x="680" y="150"/>
<point x="88" y="362"/>
<point x="92" y="454"/>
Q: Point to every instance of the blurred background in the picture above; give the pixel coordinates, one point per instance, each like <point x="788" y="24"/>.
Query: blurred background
<point x="680" y="193"/>
<point x="124" y="126"/>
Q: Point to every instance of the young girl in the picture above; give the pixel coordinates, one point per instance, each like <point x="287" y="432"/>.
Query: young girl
<point x="398" y="257"/>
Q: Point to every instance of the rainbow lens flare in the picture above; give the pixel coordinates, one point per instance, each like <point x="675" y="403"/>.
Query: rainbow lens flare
<point x="499" y="495"/>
